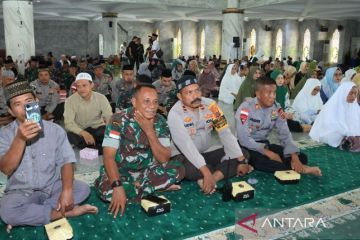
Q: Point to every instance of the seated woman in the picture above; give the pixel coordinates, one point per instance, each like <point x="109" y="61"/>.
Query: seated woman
<point x="193" y="66"/>
<point x="282" y="97"/>
<point x="330" y="83"/>
<point x="247" y="88"/>
<point x="339" y="118"/>
<point x="308" y="103"/>
<point x="230" y="84"/>
<point x="311" y="73"/>
<point x="207" y="81"/>
<point x="301" y="73"/>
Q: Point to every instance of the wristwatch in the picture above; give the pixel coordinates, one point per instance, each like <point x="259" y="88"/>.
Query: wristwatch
<point x="244" y="161"/>
<point x="116" y="183"/>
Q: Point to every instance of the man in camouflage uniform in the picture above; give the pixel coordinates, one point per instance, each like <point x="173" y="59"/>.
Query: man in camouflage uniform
<point x="47" y="92"/>
<point x="125" y="96"/>
<point x="31" y="73"/>
<point x="164" y="86"/>
<point x="123" y="89"/>
<point x="137" y="153"/>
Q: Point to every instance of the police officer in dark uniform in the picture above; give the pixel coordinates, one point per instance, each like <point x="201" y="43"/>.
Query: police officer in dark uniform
<point x="255" y="119"/>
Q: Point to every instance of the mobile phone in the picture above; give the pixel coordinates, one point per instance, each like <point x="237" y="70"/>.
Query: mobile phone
<point x="33" y="113"/>
<point x="155" y="199"/>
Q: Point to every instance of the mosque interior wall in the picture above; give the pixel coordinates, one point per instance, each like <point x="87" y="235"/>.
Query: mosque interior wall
<point x="81" y="37"/>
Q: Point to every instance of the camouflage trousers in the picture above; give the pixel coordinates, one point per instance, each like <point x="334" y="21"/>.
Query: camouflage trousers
<point x="141" y="183"/>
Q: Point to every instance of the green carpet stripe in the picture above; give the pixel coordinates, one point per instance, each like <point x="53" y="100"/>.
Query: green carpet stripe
<point x="193" y="213"/>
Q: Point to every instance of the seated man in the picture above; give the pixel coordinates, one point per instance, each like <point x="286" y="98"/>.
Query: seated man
<point x="123" y="89"/>
<point x="47" y="93"/>
<point x="164" y="86"/>
<point x="41" y="186"/>
<point x="137" y="153"/>
<point x="102" y="81"/>
<point x="191" y="121"/>
<point x="7" y="77"/>
<point x="86" y="113"/>
<point x="255" y="119"/>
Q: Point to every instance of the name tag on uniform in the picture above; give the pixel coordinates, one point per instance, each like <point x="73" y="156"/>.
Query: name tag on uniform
<point x="254" y="120"/>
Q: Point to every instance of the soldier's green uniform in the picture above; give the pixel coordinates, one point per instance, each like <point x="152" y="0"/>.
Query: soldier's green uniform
<point x="31" y="74"/>
<point x="67" y="80"/>
<point x="122" y="94"/>
<point x="171" y="99"/>
<point x="134" y="158"/>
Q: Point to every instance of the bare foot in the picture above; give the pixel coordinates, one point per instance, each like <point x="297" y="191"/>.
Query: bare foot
<point x="200" y="183"/>
<point x="312" y="170"/>
<point x="306" y="127"/>
<point x="8" y="228"/>
<point x="81" y="210"/>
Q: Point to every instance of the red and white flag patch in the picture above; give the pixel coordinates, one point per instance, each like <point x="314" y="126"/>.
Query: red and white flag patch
<point x="244" y="113"/>
<point x="114" y="134"/>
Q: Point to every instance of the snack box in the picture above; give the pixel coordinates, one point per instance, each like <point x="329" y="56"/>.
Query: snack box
<point x="287" y="177"/>
<point x="59" y="230"/>
<point x="242" y="191"/>
<point x="153" y="209"/>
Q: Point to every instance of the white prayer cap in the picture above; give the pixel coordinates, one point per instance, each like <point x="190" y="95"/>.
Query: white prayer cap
<point x="83" y="76"/>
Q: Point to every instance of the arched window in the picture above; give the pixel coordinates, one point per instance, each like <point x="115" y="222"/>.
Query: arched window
<point x="158" y="33"/>
<point x="202" y="43"/>
<point x="101" y="44"/>
<point x="252" y="49"/>
<point x="278" y="49"/>
<point x="178" y="44"/>
<point x="334" y="47"/>
<point x="306" y="45"/>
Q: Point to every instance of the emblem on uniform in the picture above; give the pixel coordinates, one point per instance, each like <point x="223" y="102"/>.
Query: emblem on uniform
<point x="282" y="113"/>
<point x="244" y="113"/>
<point x="187" y="119"/>
<point x="219" y="120"/>
<point x="274" y="115"/>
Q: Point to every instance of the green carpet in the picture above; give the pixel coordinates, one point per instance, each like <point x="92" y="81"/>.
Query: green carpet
<point x="194" y="213"/>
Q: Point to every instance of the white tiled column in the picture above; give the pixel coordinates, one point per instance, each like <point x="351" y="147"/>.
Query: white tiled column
<point x="19" y="31"/>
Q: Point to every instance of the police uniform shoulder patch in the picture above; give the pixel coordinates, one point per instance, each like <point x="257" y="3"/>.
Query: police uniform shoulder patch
<point x="219" y="120"/>
<point x="244" y="114"/>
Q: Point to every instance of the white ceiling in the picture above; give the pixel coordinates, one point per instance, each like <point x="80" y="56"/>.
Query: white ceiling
<point x="172" y="10"/>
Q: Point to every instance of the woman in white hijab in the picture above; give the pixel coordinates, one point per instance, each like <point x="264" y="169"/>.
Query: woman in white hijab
<point x="230" y="84"/>
<point x="308" y="103"/>
<point x="349" y="74"/>
<point x="339" y="117"/>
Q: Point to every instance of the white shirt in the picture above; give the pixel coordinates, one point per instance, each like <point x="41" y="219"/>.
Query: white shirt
<point x="155" y="46"/>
